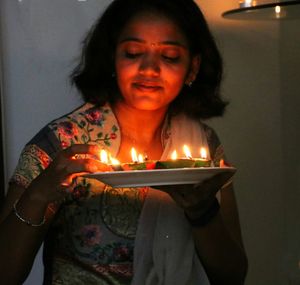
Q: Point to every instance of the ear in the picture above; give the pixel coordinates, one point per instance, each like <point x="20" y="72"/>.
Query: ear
<point x="194" y="68"/>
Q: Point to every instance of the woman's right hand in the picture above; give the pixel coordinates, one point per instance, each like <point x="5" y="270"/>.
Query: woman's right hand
<point x="19" y="242"/>
<point x="53" y="184"/>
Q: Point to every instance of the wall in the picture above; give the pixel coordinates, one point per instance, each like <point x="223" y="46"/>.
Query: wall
<point x="290" y="108"/>
<point x="260" y="60"/>
<point x="41" y="40"/>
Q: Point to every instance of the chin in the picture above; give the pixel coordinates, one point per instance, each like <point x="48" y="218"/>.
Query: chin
<point x="147" y="105"/>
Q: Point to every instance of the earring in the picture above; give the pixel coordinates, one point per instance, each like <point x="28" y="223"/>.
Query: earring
<point x="190" y="84"/>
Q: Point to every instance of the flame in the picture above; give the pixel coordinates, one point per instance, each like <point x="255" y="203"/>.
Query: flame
<point x="114" y="161"/>
<point x="203" y="153"/>
<point x="140" y="158"/>
<point x="134" y="156"/>
<point x="277" y="9"/>
<point x="174" y="155"/>
<point x="103" y="156"/>
<point x="187" y="152"/>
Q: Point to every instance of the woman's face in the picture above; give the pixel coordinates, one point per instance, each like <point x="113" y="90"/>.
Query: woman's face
<point x="152" y="62"/>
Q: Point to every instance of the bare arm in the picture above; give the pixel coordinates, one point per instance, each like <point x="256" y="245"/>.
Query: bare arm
<point x="219" y="244"/>
<point x="20" y="242"/>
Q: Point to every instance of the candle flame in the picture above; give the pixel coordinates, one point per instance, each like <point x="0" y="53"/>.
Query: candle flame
<point x="277" y="9"/>
<point x="187" y="152"/>
<point x="140" y="158"/>
<point x="174" y="155"/>
<point x="114" y="161"/>
<point x="134" y="155"/>
<point x="203" y="153"/>
<point x="103" y="156"/>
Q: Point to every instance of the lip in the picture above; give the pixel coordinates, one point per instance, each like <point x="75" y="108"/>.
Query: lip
<point x="147" y="85"/>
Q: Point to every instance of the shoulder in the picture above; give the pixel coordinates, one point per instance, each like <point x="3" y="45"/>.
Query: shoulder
<point x="211" y="135"/>
<point x="215" y="146"/>
<point x="88" y="124"/>
<point x="46" y="138"/>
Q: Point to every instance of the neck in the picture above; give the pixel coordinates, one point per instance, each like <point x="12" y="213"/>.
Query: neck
<point x="141" y="126"/>
<point x="140" y="129"/>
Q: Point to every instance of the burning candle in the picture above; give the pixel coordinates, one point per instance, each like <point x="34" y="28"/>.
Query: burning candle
<point x="203" y="161"/>
<point x="114" y="161"/>
<point x="247" y="3"/>
<point x="140" y="158"/>
<point x="174" y="155"/>
<point x="138" y="162"/>
<point x="134" y="156"/>
<point x="175" y="162"/>
<point x="203" y="153"/>
<point x="104" y="156"/>
<point x="187" y="152"/>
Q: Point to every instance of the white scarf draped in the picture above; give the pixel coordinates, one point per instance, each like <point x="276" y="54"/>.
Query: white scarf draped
<point x="165" y="253"/>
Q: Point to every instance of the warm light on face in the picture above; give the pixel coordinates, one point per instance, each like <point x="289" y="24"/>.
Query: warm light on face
<point x="152" y="61"/>
<point x="187" y="151"/>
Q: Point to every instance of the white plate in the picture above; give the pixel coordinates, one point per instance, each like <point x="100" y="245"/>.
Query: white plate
<point x="138" y="178"/>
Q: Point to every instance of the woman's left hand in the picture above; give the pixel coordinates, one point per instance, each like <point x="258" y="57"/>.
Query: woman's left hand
<point x="198" y="198"/>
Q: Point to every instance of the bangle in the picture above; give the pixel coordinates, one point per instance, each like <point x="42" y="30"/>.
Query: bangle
<point x="203" y="220"/>
<point x="27" y="222"/>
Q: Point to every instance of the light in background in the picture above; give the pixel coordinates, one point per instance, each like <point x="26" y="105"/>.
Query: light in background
<point x="254" y="10"/>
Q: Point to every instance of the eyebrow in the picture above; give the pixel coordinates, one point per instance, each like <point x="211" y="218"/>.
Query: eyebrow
<point x="172" y="43"/>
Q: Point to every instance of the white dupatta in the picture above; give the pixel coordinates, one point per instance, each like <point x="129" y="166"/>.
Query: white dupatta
<point x="164" y="248"/>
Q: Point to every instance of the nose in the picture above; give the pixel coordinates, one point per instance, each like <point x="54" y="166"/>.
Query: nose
<point x="150" y="65"/>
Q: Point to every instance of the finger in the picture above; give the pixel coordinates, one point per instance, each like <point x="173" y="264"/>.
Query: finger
<point x="81" y="149"/>
<point x="86" y="165"/>
<point x="79" y="166"/>
<point x="76" y="151"/>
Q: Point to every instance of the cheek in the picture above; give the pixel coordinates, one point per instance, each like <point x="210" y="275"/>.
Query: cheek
<point x="126" y="67"/>
<point x="176" y="72"/>
<point x="123" y="73"/>
<point x="176" y="78"/>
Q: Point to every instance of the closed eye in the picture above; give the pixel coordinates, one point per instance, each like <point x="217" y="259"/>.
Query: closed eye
<point x="171" y="58"/>
<point x="132" y="55"/>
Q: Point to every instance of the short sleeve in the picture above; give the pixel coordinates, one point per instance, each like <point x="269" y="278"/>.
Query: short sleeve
<point x="215" y="147"/>
<point x="35" y="157"/>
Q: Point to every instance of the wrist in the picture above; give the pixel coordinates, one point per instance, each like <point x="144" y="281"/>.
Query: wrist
<point x="201" y="220"/>
<point x="27" y="221"/>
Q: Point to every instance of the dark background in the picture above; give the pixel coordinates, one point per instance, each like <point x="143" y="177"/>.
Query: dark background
<point x="2" y="186"/>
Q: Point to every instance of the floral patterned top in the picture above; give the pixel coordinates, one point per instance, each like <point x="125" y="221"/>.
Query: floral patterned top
<point x="91" y="240"/>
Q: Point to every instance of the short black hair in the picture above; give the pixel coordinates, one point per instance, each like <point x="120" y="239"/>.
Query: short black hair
<point x="94" y="75"/>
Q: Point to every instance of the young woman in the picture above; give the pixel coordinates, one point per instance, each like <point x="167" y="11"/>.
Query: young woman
<point x="149" y="72"/>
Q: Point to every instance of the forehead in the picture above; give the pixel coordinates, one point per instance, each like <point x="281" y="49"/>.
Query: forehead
<point x="154" y="28"/>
